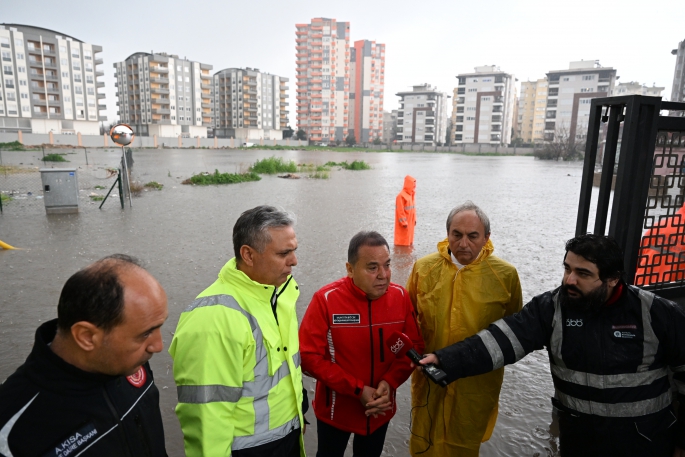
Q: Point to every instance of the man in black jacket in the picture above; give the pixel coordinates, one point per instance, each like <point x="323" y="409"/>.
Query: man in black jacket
<point x="610" y="349"/>
<point x="87" y="388"/>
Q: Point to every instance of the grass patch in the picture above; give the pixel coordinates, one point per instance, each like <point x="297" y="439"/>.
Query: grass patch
<point x="54" y="158"/>
<point x="99" y="187"/>
<point x="5" y="198"/>
<point x="154" y="185"/>
<point x="356" y="165"/>
<point x="310" y="167"/>
<point x="273" y="165"/>
<point x="207" y="179"/>
<point x="319" y="175"/>
<point x="12" y="146"/>
<point x="97" y="198"/>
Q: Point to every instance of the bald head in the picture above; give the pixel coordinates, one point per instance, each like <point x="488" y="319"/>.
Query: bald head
<point x="95" y="294"/>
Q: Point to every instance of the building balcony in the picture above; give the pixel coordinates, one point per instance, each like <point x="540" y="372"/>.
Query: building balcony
<point x="99" y="73"/>
<point x="206" y="86"/>
<point x="161" y="101"/>
<point x="205" y="76"/>
<point x="98" y="61"/>
<point x="159" y="90"/>
<point x="301" y="54"/>
<point x="158" y="69"/>
<point x="102" y="107"/>
<point x="160" y="80"/>
<point x="100" y="96"/>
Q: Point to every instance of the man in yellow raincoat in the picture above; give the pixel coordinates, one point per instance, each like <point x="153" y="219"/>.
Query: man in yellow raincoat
<point x="458" y="291"/>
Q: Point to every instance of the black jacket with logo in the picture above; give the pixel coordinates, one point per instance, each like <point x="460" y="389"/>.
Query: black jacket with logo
<point x="51" y="408"/>
<point x="610" y="364"/>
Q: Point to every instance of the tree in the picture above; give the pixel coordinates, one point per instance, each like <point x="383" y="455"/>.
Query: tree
<point x="377" y="141"/>
<point x="350" y="140"/>
<point x="288" y="132"/>
<point x="560" y="146"/>
<point x="301" y="134"/>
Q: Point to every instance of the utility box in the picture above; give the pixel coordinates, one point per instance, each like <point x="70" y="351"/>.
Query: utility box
<point x="60" y="190"/>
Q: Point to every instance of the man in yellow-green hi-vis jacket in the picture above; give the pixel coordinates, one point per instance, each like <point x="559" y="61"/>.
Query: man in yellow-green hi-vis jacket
<point x="236" y="351"/>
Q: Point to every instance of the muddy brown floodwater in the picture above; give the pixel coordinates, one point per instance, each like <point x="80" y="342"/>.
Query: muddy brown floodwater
<point x="183" y="234"/>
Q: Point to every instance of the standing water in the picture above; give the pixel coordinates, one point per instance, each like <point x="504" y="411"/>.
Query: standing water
<point x="183" y="234"/>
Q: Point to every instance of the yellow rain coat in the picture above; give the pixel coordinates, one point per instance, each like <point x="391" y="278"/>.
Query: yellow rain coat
<point x="453" y="305"/>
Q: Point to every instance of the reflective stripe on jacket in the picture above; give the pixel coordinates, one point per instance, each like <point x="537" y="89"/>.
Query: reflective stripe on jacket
<point x="611" y="363"/>
<point x="236" y="369"/>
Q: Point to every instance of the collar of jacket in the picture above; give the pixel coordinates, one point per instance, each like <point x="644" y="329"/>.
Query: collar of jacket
<point x="444" y="250"/>
<point x="231" y="275"/>
<point x="357" y="292"/>
<point x="51" y="372"/>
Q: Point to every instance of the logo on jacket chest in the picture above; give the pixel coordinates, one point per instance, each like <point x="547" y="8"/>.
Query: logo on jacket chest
<point x="574" y="322"/>
<point x="624" y="331"/>
<point x="346" y="319"/>
<point x="138" y="378"/>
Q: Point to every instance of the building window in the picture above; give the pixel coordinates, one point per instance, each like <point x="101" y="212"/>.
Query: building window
<point x="588" y="77"/>
<point x="4" y="42"/>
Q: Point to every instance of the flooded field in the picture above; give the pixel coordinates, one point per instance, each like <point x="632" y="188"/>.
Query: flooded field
<point x="183" y="233"/>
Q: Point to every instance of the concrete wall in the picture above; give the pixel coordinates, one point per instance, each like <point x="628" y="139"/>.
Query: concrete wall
<point x="93" y="141"/>
<point x="98" y="141"/>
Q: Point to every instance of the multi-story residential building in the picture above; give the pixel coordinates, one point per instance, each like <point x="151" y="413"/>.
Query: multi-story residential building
<point x="678" y="90"/>
<point x="531" y="110"/>
<point x="49" y="82"/>
<point x="367" y="83"/>
<point x="249" y="104"/>
<point x="389" y="126"/>
<point x="483" y="106"/>
<point x="569" y="95"/>
<point x="422" y="116"/>
<point x="164" y="95"/>
<point x="635" y="88"/>
<point x="323" y="79"/>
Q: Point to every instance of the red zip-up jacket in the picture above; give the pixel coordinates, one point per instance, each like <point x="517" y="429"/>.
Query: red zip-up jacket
<point x="342" y="344"/>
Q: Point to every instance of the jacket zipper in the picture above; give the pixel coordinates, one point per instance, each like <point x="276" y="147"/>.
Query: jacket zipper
<point x="122" y="432"/>
<point x="382" y="346"/>
<point x="274" y="298"/>
<point x="368" y="418"/>
<point x="143" y="436"/>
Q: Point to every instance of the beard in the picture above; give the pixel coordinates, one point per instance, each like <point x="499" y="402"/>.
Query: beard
<point x="592" y="301"/>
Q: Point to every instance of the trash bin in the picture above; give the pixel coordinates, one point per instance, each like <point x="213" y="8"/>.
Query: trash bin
<point x="60" y="190"/>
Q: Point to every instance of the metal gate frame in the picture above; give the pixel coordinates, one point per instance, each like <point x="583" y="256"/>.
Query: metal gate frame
<point x="641" y="119"/>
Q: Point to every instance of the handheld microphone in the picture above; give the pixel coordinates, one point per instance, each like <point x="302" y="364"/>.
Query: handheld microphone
<point x="400" y="345"/>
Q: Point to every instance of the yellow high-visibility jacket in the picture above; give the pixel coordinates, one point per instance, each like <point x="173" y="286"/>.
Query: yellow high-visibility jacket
<point x="236" y="369"/>
<point x="453" y="305"/>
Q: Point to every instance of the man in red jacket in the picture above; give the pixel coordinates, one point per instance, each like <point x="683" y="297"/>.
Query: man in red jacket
<point x="343" y="345"/>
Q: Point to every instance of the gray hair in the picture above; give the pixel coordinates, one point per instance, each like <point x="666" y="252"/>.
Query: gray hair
<point x="252" y="227"/>
<point x="468" y="205"/>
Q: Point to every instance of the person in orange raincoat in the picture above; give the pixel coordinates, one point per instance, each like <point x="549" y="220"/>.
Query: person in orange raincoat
<point x="405" y="213"/>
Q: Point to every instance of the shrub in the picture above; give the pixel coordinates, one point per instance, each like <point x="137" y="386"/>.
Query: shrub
<point x="12" y="146"/>
<point x="206" y="179"/>
<point x="273" y="165"/>
<point x="356" y="165"/>
<point x="54" y="158"/>
<point x="154" y="185"/>
<point x="319" y="175"/>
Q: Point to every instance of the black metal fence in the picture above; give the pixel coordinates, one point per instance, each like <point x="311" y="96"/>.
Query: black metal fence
<point x="647" y="215"/>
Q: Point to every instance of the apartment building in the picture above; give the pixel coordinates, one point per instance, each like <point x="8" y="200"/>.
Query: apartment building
<point x="422" y="118"/>
<point x="389" y="126"/>
<point x="678" y="90"/>
<point x="164" y="95"/>
<point x="367" y="85"/>
<point x="323" y="79"/>
<point x="49" y="82"/>
<point x="483" y="106"/>
<point x="635" y="88"/>
<point x="249" y="104"/>
<point x="531" y="110"/>
<point x="569" y="95"/>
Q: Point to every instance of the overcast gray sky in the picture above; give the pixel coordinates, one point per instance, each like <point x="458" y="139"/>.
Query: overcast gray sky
<point x="426" y="41"/>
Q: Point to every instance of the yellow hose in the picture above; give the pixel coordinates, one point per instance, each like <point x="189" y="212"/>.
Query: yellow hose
<point x="6" y="246"/>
